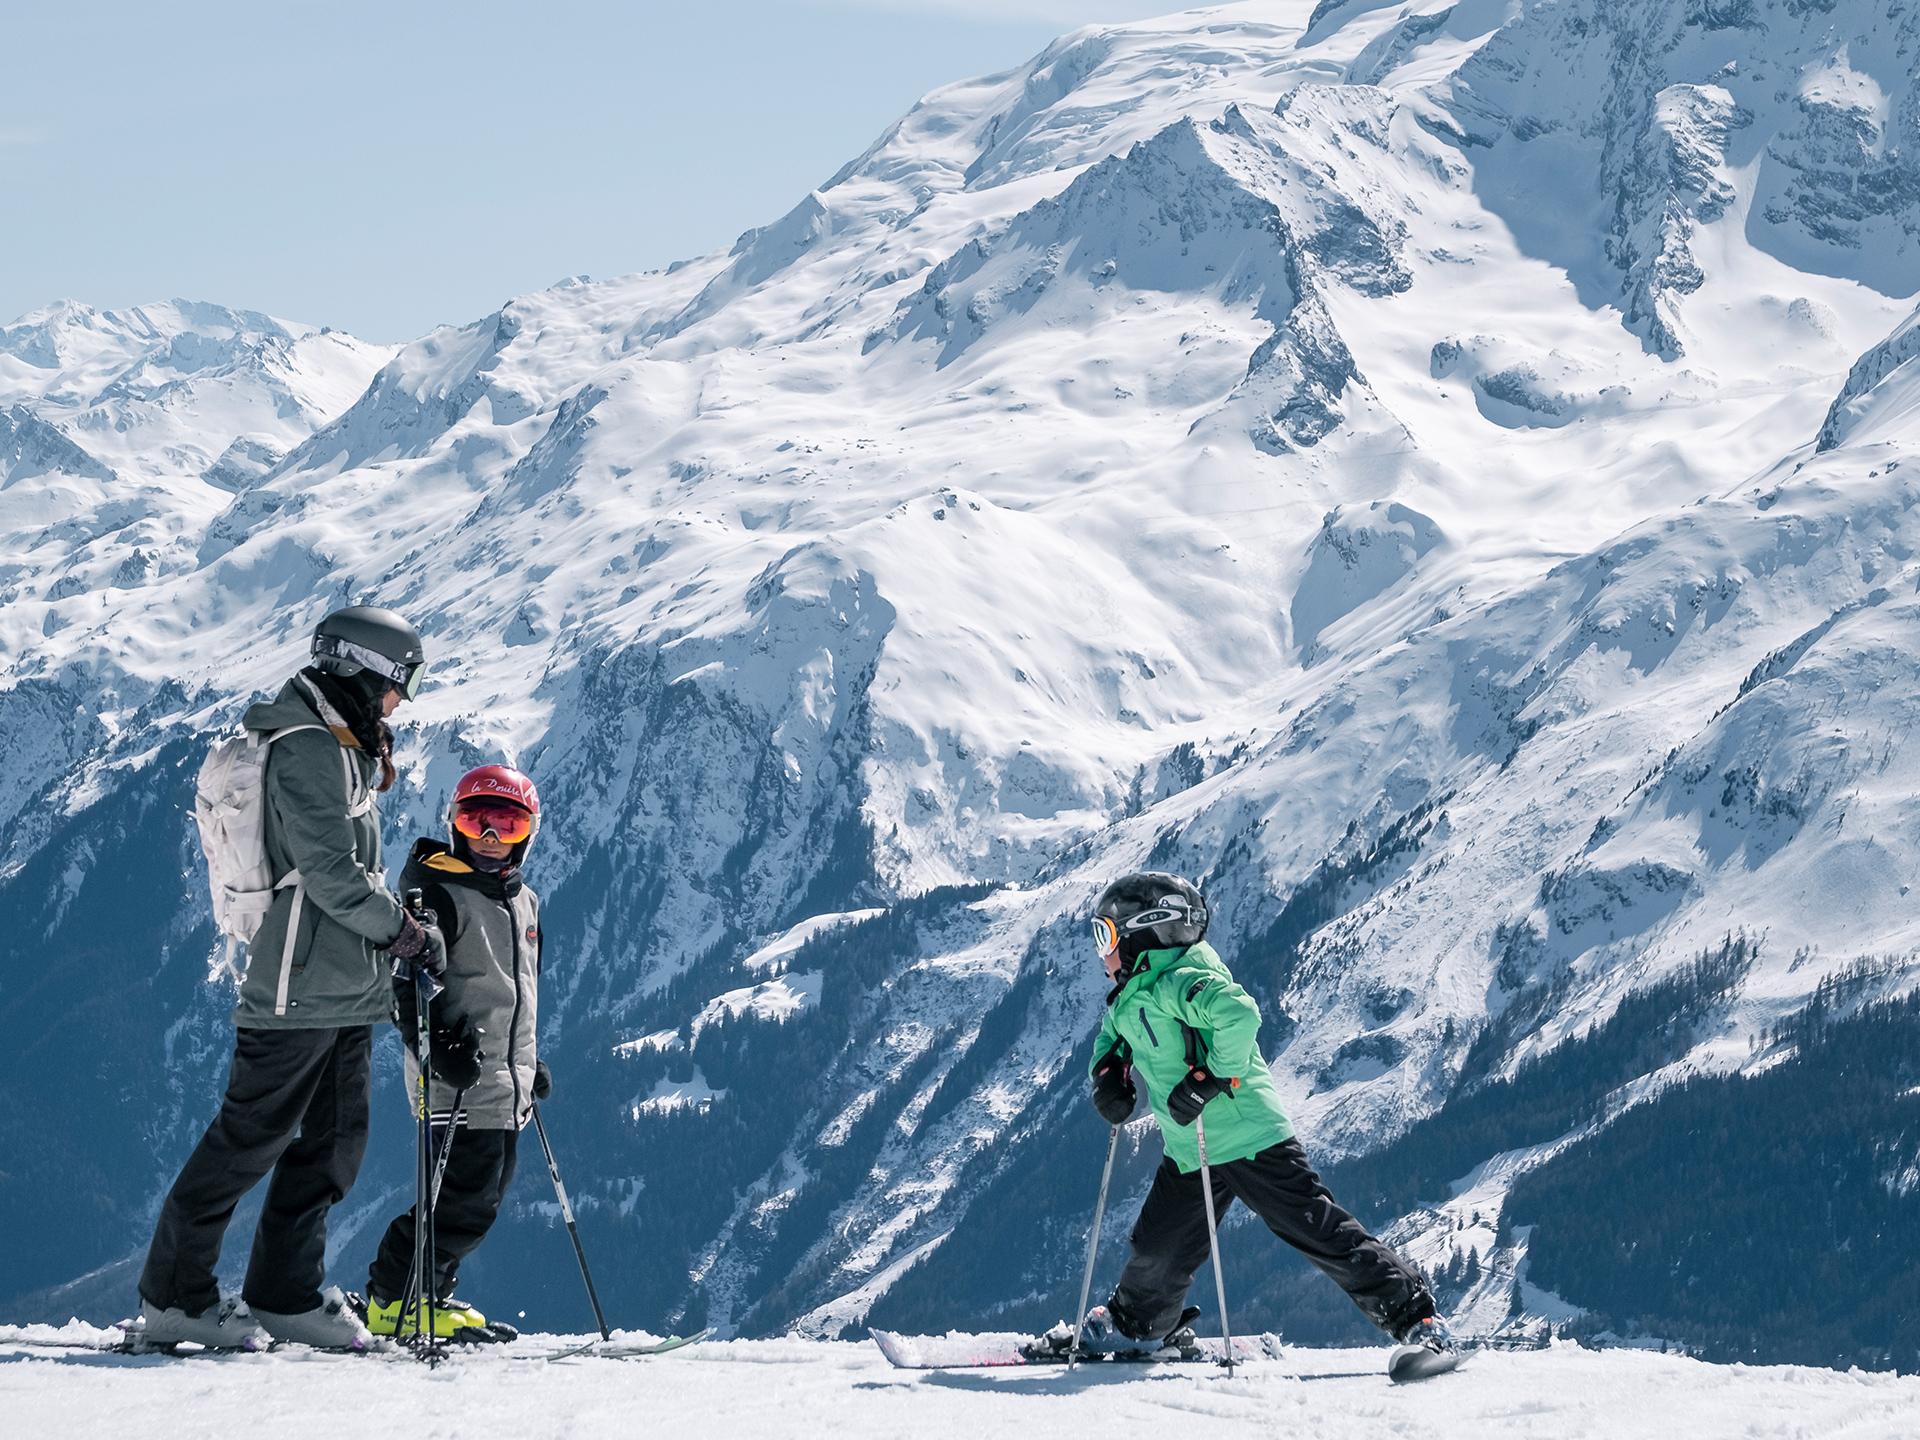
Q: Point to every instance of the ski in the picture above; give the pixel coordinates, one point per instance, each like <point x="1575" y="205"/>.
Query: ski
<point x="983" y="1352"/>
<point x="132" y="1345"/>
<point x="128" y="1349"/>
<point x="618" y="1349"/>
<point x="1409" y="1363"/>
<point x="123" y="1346"/>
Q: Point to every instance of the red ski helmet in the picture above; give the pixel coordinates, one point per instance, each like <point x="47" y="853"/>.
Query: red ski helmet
<point x="489" y="786"/>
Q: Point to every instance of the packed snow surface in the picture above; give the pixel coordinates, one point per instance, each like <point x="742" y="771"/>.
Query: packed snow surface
<point x="774" y="1388"/>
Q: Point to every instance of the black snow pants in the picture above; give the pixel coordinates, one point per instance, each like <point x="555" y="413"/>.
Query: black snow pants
<point x="479" y="1169"/>
<point x="1169" y="1242"/>
<point x="296" y="1105"/>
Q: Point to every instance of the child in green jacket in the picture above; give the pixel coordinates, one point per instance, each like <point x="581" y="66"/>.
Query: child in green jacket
<point x="1176" y="1015"/>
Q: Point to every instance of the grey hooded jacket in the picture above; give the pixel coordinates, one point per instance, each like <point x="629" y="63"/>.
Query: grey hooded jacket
<point x="492" y="925"/>
<point x="323" y="835"/>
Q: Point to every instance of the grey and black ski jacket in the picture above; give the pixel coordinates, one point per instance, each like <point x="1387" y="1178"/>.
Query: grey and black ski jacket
<point x="492" y="926"/>
<point x="323" y="842"/>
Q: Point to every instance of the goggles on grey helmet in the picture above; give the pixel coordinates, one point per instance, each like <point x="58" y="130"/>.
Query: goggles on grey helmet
<point x="1106" y="933"/>
<point x="404" y="678"/>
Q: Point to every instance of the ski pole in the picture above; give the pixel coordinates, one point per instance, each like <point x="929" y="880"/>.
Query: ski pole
<point x="429" y="1273"/>
<point x="573" y="1230"/>
<point x="422" y="1284"/>
<point x="445" y="1149"/>
<point x="441" y="1152"/>
<point x="1093" y="1245"/>
<point x="432" y="1200"/>
<point x="1213" y="1236"/>
<point x="414" y="1302"/>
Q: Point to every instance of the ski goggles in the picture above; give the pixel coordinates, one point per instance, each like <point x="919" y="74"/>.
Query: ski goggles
<point x="403" y="677"/>
<point x="1106" y="936"/>
<point x="481" y="819"/>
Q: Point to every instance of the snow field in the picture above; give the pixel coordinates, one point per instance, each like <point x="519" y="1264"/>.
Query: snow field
<point x="774" y="1388"/>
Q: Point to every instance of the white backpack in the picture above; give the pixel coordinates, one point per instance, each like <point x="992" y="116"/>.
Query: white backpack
<point x="230" y="807"/>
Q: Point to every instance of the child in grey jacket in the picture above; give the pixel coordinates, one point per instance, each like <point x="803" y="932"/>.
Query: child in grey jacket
<point x="486" y="1070"/>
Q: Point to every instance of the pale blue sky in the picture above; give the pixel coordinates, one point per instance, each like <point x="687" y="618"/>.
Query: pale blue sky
<point x="384" y="167"/>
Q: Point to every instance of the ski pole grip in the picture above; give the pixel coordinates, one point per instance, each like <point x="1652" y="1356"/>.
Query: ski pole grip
<point x="415" y="902"/>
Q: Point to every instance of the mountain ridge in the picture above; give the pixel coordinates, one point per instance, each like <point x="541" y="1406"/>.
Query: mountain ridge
<point x="1179" y="450"/>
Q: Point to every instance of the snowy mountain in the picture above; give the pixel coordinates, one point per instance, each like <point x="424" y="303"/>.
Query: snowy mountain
<point x="124" y="434"/>
<point x="1433" y="473"/>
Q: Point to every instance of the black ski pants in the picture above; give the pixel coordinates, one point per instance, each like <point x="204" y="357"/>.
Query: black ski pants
<point x="1169" y="1242"/>
<point x="296" y="1105"/>
<point x="479" y="1169"/>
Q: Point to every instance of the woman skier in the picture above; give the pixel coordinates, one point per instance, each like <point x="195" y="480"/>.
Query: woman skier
<point x="486" y="1068"/>
<point x="297" y="1093"/>
<point x="1176" y="1015"/>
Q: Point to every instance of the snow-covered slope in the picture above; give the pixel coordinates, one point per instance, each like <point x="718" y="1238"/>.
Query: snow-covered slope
<point x="1433" y="472"/>
<point x="796" y="1388"/>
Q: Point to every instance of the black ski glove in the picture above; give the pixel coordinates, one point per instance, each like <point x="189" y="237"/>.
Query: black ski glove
<point x="456" y="1054"/>
<point x="1113" y="1093"/>
<point x="420" y="943"/>
<point x="1191" y="1095"/>
<point x="542" y="1080"/>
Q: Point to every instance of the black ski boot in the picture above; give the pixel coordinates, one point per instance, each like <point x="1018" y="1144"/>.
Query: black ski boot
<point x="1181" y="1337"/>
<point x="1431" y="1333"/>
<point x="1427" y="1348"/>
<point x="1100" y="1334"/>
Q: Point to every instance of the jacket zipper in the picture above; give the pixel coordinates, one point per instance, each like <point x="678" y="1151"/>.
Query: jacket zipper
<point x="1149" y="1028"/>
<point x="513" y="1025"/>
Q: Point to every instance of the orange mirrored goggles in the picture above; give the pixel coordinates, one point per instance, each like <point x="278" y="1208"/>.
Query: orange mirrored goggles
<point x="1106" y="936"/>
<point x="481" y="819"/>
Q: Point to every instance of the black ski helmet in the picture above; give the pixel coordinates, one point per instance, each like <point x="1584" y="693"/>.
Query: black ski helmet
<point x="365" y="640"/>
<point x="1148" y="910"/>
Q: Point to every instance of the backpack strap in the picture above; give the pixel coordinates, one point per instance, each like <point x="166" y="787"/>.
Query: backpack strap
<point x="293" y="878"/>
<point x="355" y="807"/>
<point x="286" y="948"/>
<point x="229" y="966"/>
<point x="267" y="737"/>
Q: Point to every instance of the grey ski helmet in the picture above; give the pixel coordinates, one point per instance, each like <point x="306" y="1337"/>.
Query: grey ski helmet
<point x="368" y="638"/>
<point x="1148" y="910"/>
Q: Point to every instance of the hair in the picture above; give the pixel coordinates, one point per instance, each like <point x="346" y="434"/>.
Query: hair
<point x="357" y="698"/>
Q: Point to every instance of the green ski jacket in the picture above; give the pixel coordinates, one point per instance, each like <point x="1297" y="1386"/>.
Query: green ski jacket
<point x="1191" y="990"/>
